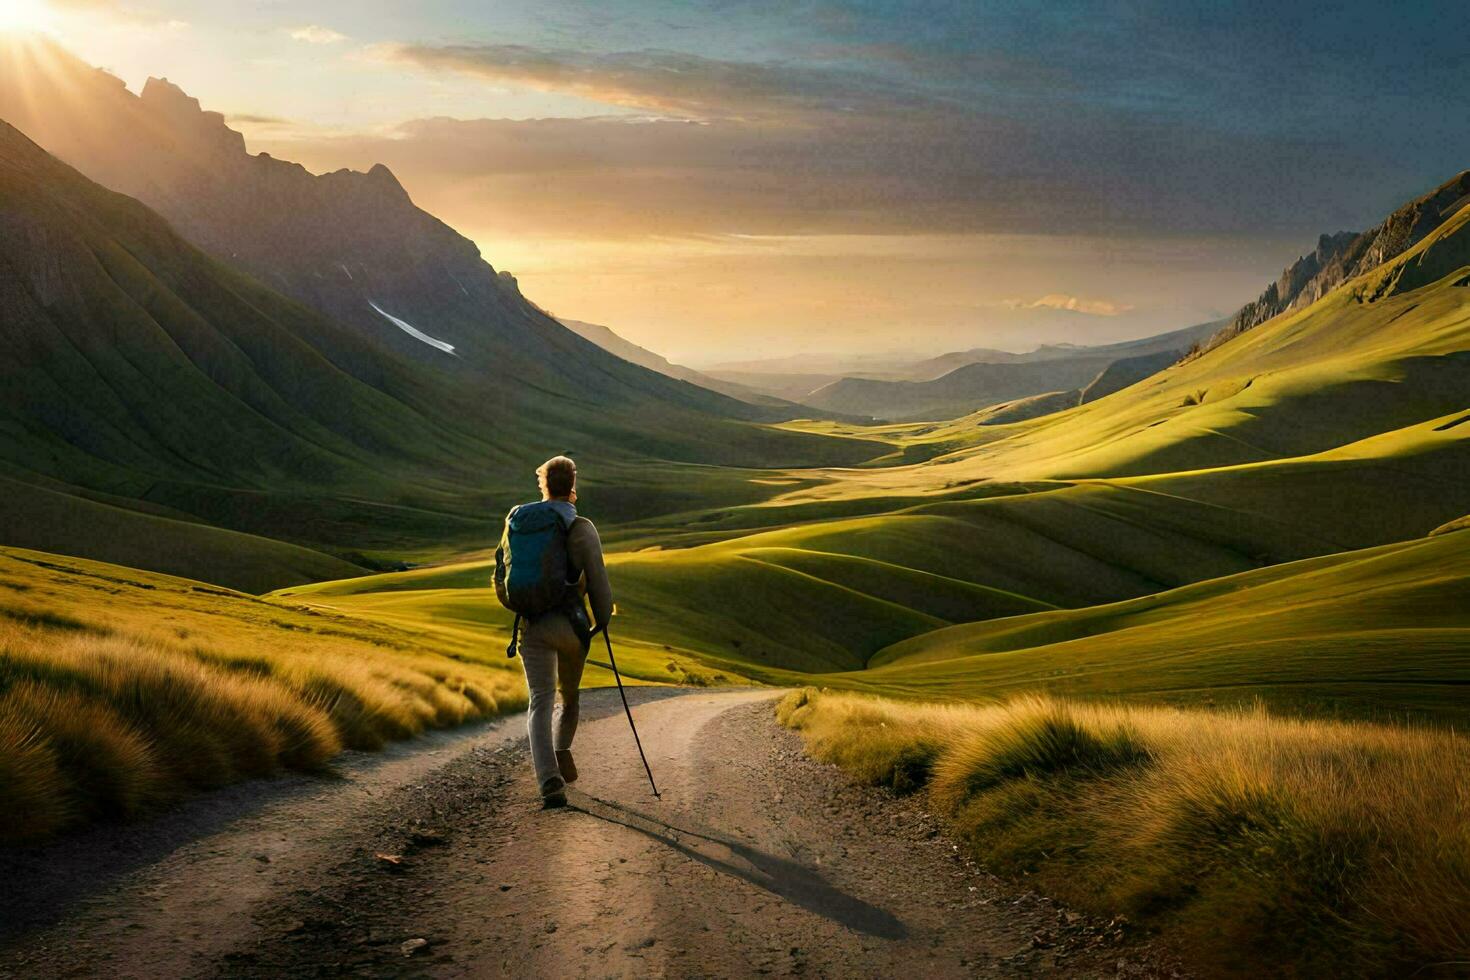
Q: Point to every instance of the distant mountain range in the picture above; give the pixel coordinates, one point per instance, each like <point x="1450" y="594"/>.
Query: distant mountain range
<point x="961" y="391"/>
<point x="895" y="388"/>
<point x="1054" y="377"/>
<point x="613" y="343"/>
<point x="962" y="382"/>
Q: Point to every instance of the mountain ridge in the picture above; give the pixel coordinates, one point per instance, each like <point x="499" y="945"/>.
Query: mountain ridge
<point x="143" y="371"/>
<point x="1346" y="255"/>
<point x="351" y="245"/>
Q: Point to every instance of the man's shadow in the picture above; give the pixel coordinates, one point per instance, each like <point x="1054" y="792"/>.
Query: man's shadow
<point x="802" y="886"/>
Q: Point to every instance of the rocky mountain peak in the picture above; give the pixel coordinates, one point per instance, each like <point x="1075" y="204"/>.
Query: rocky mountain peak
<point x="382" y="177"/>
<point x="162" y="92"/>
<point x="202" y="129"/>
<point x="350" y="244"/>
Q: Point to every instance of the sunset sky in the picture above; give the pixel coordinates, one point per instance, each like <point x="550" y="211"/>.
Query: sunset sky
<point x="725" y="180"/>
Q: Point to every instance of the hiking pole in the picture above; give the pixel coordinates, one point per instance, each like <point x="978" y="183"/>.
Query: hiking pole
<point x="629" y="711"/>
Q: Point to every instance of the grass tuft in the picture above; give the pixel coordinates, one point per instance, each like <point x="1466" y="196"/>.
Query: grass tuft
<point x="872" y="739"/>
<point x="1038" y="738"/>
<point x="1324" y="848"/>
<point x="33" y="792"/>
<point x="93" y="745"/>
<point x="112" y="703"/>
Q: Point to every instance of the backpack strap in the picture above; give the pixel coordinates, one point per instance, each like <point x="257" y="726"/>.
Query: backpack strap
<point x="515" y="635"/>
<point x="573" y="572"/>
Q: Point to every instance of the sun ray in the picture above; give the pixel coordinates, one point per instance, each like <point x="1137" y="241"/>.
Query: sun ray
<point x="25" y="16"/>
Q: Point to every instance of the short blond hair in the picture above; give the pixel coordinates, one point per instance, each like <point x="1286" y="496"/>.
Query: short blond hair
<point x="557" y="477"/>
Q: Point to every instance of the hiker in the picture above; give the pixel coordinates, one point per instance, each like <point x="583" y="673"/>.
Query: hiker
<point x="547" y="560"/>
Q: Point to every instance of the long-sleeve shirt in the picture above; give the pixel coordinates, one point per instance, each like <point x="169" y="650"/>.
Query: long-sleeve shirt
<point x="585" y="549"/>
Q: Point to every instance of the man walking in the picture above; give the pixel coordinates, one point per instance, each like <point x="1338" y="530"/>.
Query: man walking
<point x="548" y="559"/>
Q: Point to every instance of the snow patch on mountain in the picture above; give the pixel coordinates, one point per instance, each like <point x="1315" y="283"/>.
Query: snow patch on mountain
<point x="413" y="331"/>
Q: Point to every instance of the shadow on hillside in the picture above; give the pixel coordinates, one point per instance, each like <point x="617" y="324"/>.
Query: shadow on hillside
<point x="794" y="882"/>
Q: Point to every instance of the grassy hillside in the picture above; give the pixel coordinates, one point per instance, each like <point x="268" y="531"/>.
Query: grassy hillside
<point x="1320" y="848"/>
<point x="139" y="370"/>
<point x="730" y="607"/>
<point x="832" y="594"/>
<point x="1383" y="352"/>
<point x="121" y="690"/>
<point x="1374" y="633"/>
<point x="34" y="516"/>
<point x="1338" y="258"/>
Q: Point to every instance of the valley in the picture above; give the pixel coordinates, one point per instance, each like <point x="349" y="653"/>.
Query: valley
<point x="254" y="472"/>
<point x="1322" y="434"/>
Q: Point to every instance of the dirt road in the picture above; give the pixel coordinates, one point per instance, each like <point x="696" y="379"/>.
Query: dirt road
<point x="433" y="859"/>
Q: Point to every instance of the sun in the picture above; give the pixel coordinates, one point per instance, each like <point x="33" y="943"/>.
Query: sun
<point x="24" y="16"/>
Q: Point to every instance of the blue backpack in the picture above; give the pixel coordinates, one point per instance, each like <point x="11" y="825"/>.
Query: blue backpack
<point x="533" y="571"/>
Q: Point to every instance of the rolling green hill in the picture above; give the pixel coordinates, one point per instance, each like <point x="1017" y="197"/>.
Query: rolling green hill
<point x="834" y="593"/>
<point x="36" y="515"/>
<point x="1365" y="633"/>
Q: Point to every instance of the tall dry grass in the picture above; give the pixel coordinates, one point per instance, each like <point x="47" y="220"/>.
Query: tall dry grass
<point x="1304" y="847"/>
<point x="98" y="724"/>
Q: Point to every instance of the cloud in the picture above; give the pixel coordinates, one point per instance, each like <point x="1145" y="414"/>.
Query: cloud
<point x="867" y="139"/>
<point x="317" y="34"/>
<point x="1074" y="304"/>
<point x="618" y="177"/>
<point x="255" y="119"/>
<point x="915" y="172"/>
<point x="670" y="83"/>
<point x="265" y="129"/>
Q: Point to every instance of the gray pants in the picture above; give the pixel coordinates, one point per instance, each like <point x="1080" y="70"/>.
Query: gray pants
<point x="553" y="657"/>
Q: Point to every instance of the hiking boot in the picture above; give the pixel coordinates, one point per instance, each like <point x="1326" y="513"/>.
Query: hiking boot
<point x="566" y="765"/>
<point x="553" y="793"/>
